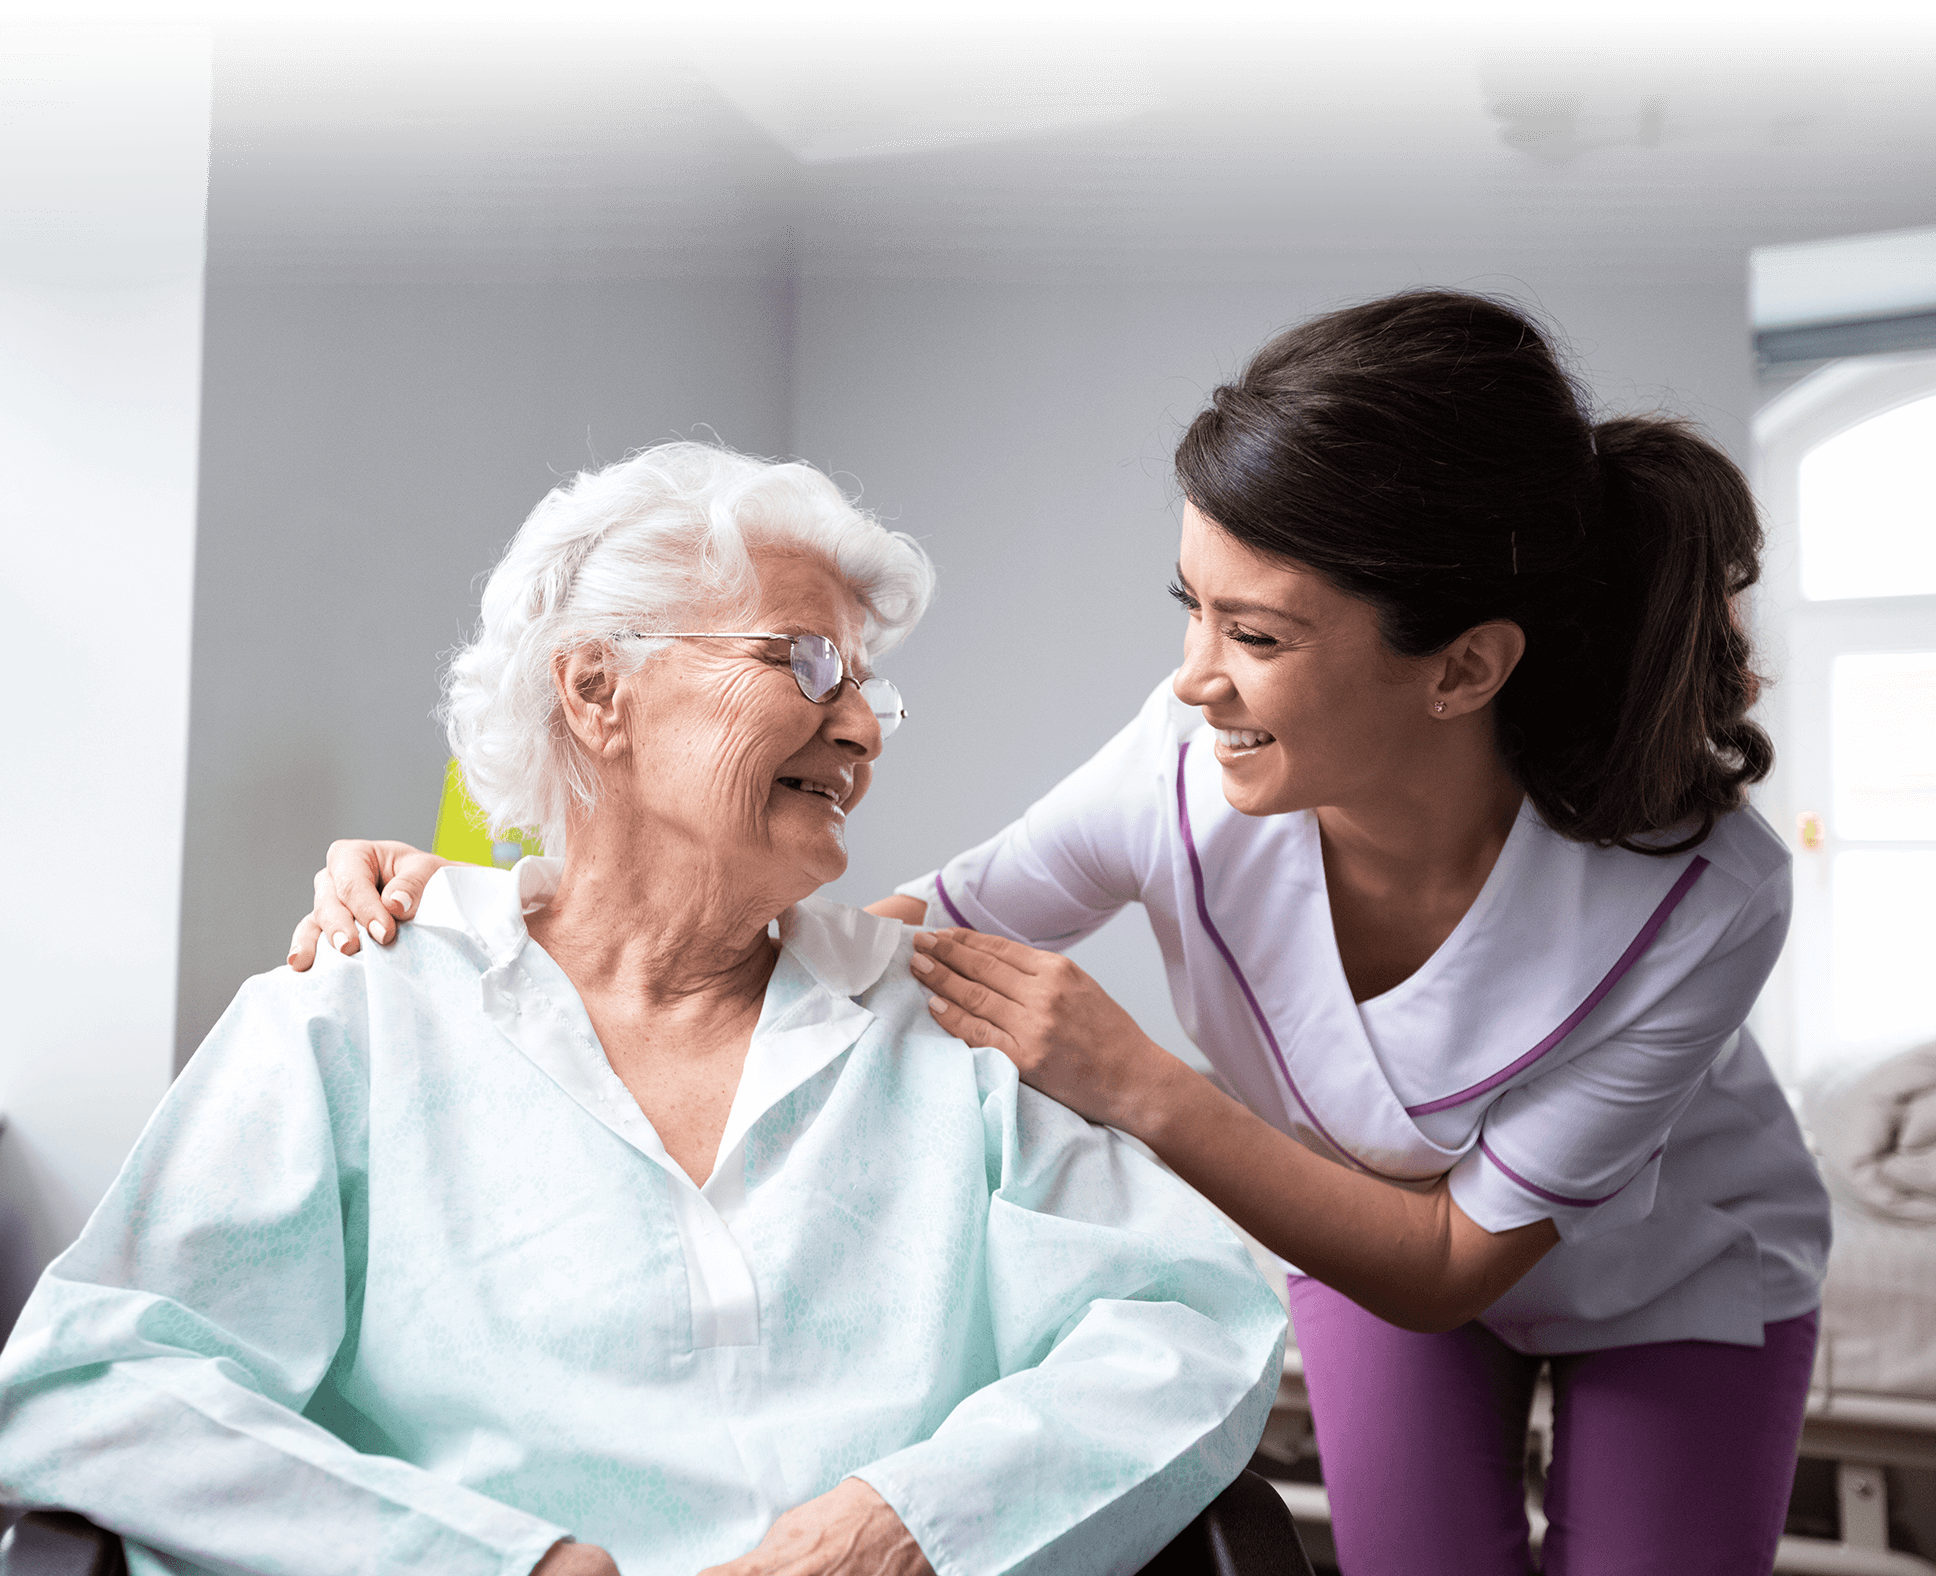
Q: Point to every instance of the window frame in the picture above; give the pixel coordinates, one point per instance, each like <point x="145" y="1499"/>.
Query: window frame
<point x="1799" y="640"/>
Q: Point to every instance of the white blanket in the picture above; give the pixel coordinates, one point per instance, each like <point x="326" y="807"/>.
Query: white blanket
<point x="1875" y="1127"/>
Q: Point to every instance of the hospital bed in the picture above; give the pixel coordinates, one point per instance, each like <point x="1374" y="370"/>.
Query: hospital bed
<point x="1871" y="1416"/>
<point x="1246" y="1531"/>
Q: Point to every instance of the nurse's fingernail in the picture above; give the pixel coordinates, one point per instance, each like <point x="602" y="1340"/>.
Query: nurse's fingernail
<point x="922" y="965"/>
<point x="339" y="941"/>
<point x="400" y="901"/>
<point x="376" y="929"/>
<point x="290" y="960"/>
<point x="937" y="1006"/>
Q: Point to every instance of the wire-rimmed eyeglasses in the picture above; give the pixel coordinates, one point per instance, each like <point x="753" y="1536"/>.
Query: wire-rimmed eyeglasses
<point x="817" y="669"/>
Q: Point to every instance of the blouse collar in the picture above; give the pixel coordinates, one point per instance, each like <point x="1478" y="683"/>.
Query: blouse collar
<point x="845" y="949"/>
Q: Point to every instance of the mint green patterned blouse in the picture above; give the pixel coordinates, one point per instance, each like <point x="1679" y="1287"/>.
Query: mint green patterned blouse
<point x="400" y="1277"/>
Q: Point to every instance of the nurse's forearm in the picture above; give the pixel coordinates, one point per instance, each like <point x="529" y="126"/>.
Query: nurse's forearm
<point x="1415" y="1259"/>
<point x="908" y="910"/>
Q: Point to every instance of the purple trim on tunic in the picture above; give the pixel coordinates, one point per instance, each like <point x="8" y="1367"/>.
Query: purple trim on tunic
<point x="948" y="903"/>
<point x="1638" y="945"/>
<point x="1236" y="973"/>
<point x="1560" y="1198"/>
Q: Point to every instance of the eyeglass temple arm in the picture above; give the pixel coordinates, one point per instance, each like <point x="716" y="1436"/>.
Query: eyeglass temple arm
<point x="742" y="634"/>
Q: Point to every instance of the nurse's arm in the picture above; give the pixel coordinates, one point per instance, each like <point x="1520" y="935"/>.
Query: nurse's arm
<point x="1413" y="1258"/>
<point x="908" y="910"/>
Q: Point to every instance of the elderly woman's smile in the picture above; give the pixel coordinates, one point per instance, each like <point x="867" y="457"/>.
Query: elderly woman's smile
<point x="709" y="754"/>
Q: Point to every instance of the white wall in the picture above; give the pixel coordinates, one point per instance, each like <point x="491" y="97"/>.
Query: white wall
<point x="102" y="186"/>
<point x="379" y="417"/>
<point x="1023" y="432"/>
<point x="442" y="277"/>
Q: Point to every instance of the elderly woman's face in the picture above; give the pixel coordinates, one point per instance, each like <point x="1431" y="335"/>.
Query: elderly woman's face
<point x="725" y="753"/>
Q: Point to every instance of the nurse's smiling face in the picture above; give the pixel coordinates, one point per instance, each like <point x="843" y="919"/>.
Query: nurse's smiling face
<point x="1311" y="709"/>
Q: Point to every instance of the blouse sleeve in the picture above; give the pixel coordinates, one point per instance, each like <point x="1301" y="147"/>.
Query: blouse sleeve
<point x="1077" y="855"/>
<point x="1136" y="1352"/>
<point x="1581" y="1145"/>
<point x="165" y="1362"/>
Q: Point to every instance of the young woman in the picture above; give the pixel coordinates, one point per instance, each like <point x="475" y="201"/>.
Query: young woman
<point x="1442" y="828"/>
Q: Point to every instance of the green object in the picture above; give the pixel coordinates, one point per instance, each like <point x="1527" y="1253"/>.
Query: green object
<point x="462" y="835"/>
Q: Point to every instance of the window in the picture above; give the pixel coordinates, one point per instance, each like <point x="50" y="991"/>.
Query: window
<point x="1865" y="508"/>
<point x="1848" y="622"/>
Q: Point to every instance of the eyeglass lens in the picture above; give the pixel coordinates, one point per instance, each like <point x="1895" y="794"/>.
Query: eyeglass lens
<point x="817" y="667"/>
<point x="818" y="670"/>
<point x="884" y="701"/>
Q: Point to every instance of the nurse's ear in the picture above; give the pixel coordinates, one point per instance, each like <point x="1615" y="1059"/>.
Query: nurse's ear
<point x="1465" y="676"/>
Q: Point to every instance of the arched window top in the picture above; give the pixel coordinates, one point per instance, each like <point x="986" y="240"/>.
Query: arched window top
<point x="1867" y="507"/>
<point x="1847" y="479"/>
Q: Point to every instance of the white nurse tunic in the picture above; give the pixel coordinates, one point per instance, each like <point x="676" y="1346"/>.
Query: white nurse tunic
<point x="1574" y="1050"/>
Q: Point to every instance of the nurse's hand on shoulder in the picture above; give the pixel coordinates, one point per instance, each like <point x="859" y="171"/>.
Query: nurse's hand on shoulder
<point x="376" y="885"/>
<point x="848" y="1531"/>
<point x="1064" y="1032"/>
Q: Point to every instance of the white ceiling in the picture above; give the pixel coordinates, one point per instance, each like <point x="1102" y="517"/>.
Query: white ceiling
<point x="847" y="93"/>
<point x="895" y="101"/>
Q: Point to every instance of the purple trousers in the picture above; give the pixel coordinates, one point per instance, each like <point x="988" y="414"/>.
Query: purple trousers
<point x="1672" y="1457"/>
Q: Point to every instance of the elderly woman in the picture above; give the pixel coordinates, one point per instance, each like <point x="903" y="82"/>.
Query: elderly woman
<point x="604" y="1207"/>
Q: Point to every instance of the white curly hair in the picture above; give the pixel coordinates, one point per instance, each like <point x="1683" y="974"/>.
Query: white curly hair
<point x="641" y="545"/>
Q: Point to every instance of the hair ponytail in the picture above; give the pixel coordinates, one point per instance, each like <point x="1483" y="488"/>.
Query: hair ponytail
<point x="1680" y="515"/>
<point x="1427" y="454"/>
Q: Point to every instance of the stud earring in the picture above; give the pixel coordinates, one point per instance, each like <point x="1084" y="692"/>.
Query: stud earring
<point x="1438" y="706"/>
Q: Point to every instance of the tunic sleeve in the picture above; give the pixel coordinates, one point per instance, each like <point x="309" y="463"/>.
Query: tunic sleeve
<point x="1582" y="1145"/>
<point x="1077" y="855"/>
<point x="1138" y="1352"/>
<point x="158" y="1377"/>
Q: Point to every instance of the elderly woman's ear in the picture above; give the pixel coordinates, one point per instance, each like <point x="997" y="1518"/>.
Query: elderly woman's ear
<point x="588" y="692"/>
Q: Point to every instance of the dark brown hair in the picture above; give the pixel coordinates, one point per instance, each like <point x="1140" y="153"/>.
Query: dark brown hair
<point x="1428" y="454"/>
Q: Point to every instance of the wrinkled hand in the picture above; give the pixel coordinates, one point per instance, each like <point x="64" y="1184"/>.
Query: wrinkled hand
<point x="576" y="1559"/>
<point x="347" y="893"/>
<point x="1064" y="1032"/>
<point x="848" y="1531"/>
